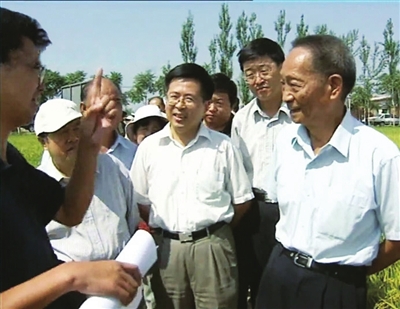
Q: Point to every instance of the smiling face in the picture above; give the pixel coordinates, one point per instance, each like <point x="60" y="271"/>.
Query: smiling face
<point x="20" y="85"/>
<point x="185" y="106"/>
<point x="306" y="92"/>
<point x="63" y="144"/>
<point x="263" y="78"/>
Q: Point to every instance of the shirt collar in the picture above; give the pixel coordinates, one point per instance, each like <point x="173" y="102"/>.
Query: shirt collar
<point x="50" y="169"/>
<point x="255" y="108"/>
<point x="340" y="139"/>
<point x="119" y="141"/>
<point x="203" y="131"/>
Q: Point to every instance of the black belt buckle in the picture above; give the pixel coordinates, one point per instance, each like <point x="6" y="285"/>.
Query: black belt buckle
<point x="302" y="260"/>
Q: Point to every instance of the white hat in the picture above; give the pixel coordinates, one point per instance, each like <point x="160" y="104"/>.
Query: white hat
<point x="54" y="114"/>
<point x="148" y="111"/>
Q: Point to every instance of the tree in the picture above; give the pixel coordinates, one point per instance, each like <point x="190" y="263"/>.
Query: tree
<point x="159" y="84"/>
<point x="389" y="81"/>
<point x="53" y="83"/>
<point x="372" y="66"/>
<point x="323" y="29"/>
<point x="187" y="46"/>
<point x="301" y="28"/>
<point x="350" y="39"/>
<point x="282" y="28"/>
<point x="247" y="29"/>
<point x="225" y="42"/>
<point x="116" y="78"/>
<point x="143" y="85"/>
<point x="75" y="77"/>
<point x="212" y="66"/>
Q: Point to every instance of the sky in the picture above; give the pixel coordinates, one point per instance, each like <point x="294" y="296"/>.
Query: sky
<point x="131" y="37"/>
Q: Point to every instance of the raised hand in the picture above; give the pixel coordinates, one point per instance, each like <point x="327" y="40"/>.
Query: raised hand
<point x="98" y="117"/>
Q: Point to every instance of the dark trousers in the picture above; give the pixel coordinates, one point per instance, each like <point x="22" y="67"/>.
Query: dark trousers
<point x="254" y="239"/>
<point x="285" y="285"/>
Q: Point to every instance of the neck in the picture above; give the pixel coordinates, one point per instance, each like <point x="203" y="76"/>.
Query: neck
<point x="4" y="134"/>
<point x="271" y="105"/>
<point x="183" y="138"/>
<point x="65" y="168"/>
<point x="216" y="127"/>
<point x="321" y="133"/>
<point x="108" y="140"/>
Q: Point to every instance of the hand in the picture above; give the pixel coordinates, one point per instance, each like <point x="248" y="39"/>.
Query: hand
<point x="106" y="278"/>
<point x="97" y="118"/>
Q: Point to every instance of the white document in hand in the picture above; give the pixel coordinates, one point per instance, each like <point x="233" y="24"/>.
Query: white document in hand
<point x="141" y="250"/>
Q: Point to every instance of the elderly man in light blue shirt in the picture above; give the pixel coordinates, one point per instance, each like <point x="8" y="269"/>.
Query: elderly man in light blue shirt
<point x="337" y="182"/>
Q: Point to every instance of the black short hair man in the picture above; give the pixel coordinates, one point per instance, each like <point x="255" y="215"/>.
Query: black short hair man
<point x="31" y="276"/>
<point x="219" y="114"/>
<point x="337" y="183"/>
<point x="185" y="164"/>
<point x="254" y="131"/>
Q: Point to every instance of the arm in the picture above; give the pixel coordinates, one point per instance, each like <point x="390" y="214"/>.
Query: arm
<point x="239" y="185"/>
<point x="102" y="278"/>
<point x="95" y="120"/>
<point x="240" y="210"/>
<point x="387" y="189"/>
<point x="389" y="253"/>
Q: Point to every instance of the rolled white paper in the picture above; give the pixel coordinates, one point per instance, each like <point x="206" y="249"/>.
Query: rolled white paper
<point x="141" y="251"/>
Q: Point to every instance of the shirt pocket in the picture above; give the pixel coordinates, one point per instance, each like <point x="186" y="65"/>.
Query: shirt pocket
<point x="340" y="215"/>
<point x="209" y="187"/>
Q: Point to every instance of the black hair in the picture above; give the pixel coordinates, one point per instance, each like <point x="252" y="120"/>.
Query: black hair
<point x="146" y="121"/>
<point x="89" y="84"/>
<point x="15" y="26"/>
<point x="192" y="71"/>
<point x="261" y="47"/>
<point x="330" y="55"/>
<point x="224" y="84"/>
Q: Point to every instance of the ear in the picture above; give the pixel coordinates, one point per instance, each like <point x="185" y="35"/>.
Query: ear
<point x="43" y="141"/>
<point x="82" y="107"/>
<point x="335" y="86"/>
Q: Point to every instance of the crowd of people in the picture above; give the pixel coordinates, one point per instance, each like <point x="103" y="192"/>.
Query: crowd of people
<point x="279" y="204"/>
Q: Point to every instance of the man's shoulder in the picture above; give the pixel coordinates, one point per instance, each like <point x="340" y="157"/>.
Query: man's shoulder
<point x="245" y="111"/>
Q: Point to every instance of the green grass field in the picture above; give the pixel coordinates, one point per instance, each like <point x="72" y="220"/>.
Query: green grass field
<point x="384" y="287"/>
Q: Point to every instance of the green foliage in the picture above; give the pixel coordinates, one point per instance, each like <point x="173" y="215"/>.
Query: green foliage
<point x="187" y="46"/>
<point x="282" y="28"/>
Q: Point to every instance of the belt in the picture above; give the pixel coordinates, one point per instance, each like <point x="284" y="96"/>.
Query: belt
<point x="343" y="272"/>
<point x="191" y="236"/>
<point x="262" y="196"/>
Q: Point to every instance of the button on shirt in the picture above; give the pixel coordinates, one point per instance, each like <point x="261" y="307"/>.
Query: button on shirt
<point x="124" y="150"/>
<point x="334" y="206"/>
<point x="254" y="133"/>
<point x="189" y="187"/>
<point x="109" y="222"/>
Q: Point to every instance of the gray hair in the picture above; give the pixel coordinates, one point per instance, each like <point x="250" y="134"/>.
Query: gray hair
<point x="330" y="55"/>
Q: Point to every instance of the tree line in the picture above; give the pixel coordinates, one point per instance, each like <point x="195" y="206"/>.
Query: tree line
<point x="379" y="71"/>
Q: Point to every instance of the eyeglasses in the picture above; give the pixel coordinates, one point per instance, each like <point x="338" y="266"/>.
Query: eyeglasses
<point x="41" y="74"/>
<point x="174" y="100"/>
<point x="264" y="73"/>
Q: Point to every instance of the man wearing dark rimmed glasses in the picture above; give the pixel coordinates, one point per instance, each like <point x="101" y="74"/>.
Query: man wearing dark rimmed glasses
<point x="254" y="130"/>
<point x="30" y="274"/>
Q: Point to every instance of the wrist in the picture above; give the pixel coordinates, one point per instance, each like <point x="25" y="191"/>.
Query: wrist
<point x="68" y="277"/>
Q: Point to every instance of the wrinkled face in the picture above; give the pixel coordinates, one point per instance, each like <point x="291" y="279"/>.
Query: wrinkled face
<point x="263" y="78"/>
<point x="218" y="110"/>
<point x="108" y="88"/>
<point x="21" y="84"/>
<point x="150" y="127"/>
<point x="304" y="90"/>
<point x="185" y="105"/>
<point x="63" y="144"/>
<point x="159" y="103"/>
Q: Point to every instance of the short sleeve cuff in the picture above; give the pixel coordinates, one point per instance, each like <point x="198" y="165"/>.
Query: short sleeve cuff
<point x="243" y="199"/>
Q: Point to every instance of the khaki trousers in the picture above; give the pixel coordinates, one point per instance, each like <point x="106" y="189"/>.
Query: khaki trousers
<point x="196" y="275"/>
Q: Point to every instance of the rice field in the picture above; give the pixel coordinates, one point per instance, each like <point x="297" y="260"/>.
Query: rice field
<point x="383" y="288"/>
